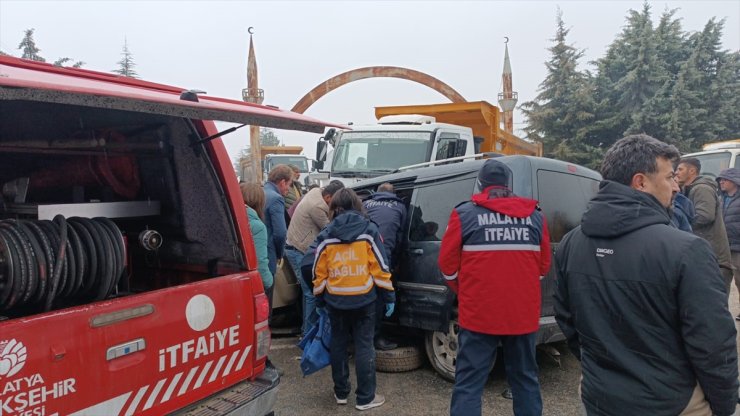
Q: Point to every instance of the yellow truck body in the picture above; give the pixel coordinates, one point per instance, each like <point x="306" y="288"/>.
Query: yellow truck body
<point x="480" y="116"/>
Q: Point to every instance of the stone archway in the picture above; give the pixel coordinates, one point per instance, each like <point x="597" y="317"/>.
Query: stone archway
<point x="376" y="72"/>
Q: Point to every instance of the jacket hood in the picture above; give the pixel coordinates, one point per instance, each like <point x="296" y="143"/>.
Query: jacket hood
<point x="512" y="206"/>
<point x="703" y="180"/>
<point x="348" y="225"/>
<point x="731" y="174"/>
<point x="385" y="196"/>
<point x="618" y="209"/>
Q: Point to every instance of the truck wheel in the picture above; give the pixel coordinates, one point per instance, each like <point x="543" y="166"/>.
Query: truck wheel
<point x="442" y="350"/>
<point x="398" y="360"/>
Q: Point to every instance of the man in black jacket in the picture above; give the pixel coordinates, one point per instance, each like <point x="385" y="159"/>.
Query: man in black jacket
<point x="641" y="303"/>
<point x="389" y="212"/>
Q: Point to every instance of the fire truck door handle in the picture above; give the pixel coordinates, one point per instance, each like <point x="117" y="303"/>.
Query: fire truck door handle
<point x="58" y="352"/>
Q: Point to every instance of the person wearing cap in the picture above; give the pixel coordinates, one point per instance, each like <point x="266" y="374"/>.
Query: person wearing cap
<point x="494" y="252"/>
<point x="729" y="181"/>
<point x="642" y="303"/>
<point x="388" y="211"/>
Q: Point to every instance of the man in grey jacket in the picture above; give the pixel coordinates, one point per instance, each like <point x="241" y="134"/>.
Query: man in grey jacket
<point x="641" y="303"/>
<point x="708" y="223"/>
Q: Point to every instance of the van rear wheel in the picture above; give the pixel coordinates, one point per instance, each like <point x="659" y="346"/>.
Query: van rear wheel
<point x="442" y="349"/>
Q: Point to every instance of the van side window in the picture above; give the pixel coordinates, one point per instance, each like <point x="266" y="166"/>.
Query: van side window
<point x="714" y="163"/>
<point x="432" y="206"/>
<point x="563" y="199"/>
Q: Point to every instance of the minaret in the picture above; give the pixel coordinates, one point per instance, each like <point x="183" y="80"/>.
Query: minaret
<point x="253" y="94"/>
<point x="507" y="99"/>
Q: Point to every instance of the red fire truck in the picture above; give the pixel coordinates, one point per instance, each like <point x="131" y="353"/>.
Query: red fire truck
<point x="128" y="280"/>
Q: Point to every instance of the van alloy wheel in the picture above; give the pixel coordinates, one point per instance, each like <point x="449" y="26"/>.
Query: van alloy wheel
<point x="442" y="349"/>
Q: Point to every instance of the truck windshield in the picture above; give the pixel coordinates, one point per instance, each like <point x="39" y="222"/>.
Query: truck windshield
<point x="714" y="163"/>
<point x="380" y="152"/>
<point x="299" y="161"/>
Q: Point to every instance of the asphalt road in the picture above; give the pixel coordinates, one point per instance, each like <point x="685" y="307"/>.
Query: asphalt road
<point x="423" y="392"/>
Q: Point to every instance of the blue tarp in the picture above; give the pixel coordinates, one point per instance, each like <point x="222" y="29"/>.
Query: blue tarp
<point x="315" y="345"/>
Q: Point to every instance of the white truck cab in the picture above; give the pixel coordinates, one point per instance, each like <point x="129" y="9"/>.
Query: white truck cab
<point x="393" y="143"/>
<point x="718" y="156"/>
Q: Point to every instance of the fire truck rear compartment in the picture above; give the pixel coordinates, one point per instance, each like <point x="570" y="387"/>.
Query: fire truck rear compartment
<point x="101" y="203"/>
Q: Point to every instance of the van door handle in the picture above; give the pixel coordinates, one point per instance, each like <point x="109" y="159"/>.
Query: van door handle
<point x="417" y="251"/>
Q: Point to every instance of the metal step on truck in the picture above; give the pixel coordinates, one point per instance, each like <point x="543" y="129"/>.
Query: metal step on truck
<point x="128" y="281"/>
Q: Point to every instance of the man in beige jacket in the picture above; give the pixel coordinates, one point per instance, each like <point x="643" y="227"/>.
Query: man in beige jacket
<point x="310" y="216"/>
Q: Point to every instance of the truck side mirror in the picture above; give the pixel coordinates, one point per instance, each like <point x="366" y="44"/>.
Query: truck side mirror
<point x="321" y="147"/>
<point x="317" y="165"/>
<point x="330" y="136"/>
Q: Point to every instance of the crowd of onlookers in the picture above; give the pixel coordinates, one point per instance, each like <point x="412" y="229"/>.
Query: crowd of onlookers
<point x="642" y="284"/>
<point x="333" y="244"/>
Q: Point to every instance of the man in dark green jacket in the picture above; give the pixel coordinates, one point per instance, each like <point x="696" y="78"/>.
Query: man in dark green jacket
<point x="708" y="223"/>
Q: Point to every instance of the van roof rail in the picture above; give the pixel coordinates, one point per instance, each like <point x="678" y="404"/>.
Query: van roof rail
<point x="484" y="155"/>
<point x="727" y="144"/>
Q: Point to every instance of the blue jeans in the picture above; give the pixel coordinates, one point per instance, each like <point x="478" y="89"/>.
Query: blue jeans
<point x="310" y="317"/>
<point x="358" y="324"/>
<point x="475" y="357"/>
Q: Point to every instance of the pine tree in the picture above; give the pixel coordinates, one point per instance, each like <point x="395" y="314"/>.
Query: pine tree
<point x="671" y="51"/>
<point x="680" y="88"/>
<point x="638" y="84"/>
<point x="627" y="78"/>
<point x="126" y="64"/>
<point x="62" y="61"/>
<point x="558" y="114"/>
<point x="670" y="42"/>
<point x="28" y="46"/>
<point x="696" y="96"/>
<point x="267" y="138"/>
<point x="719" y="86"/>
<point x="725" y="97"/>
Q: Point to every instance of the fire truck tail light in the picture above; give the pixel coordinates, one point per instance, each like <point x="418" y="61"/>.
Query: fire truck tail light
<point x="261" y="328"/>
<point x="261" y="308"/>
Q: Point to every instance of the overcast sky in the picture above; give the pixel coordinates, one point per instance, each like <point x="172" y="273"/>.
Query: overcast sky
<point x="203" y="45"/>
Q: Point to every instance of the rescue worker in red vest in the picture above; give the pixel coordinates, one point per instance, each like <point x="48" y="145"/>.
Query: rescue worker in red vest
<point x="350" y="272"/>
<point x="493" y="255"/>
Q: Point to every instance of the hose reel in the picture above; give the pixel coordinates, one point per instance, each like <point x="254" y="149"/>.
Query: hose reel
<point x="44" y="262"/>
